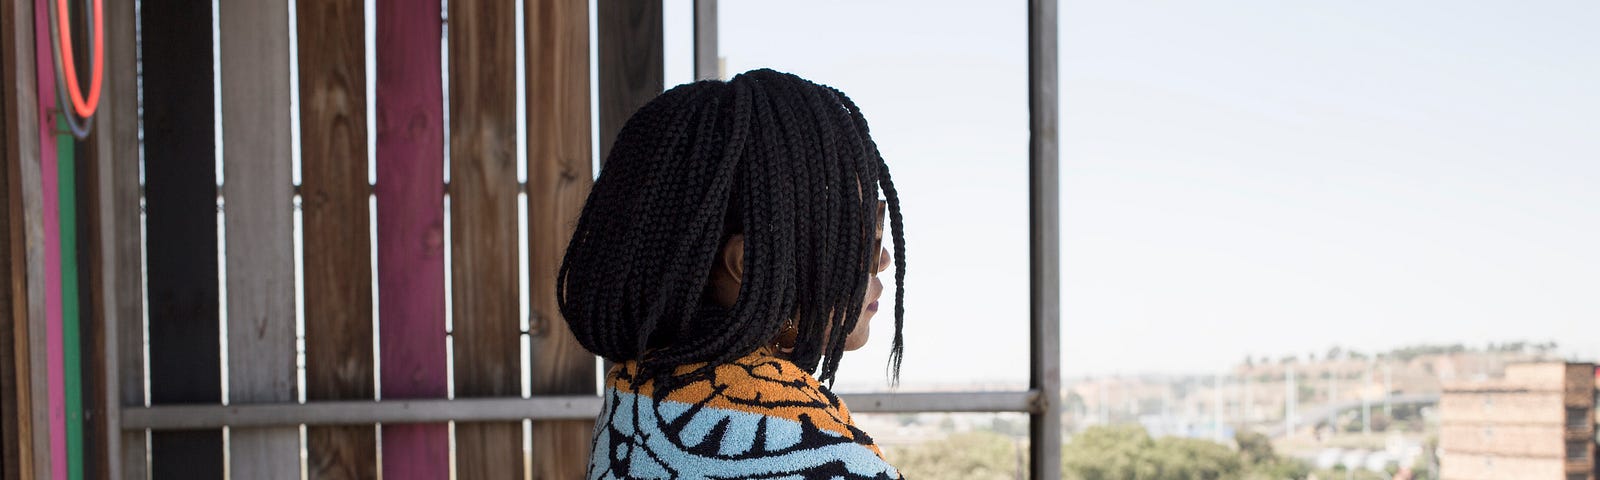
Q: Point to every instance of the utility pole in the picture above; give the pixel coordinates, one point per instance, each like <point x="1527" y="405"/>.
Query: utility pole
<point x="1388" y="391"/>
<point x="1333" y="387"/>
<point x="1288" y="401"/>
<point x="1216" y="408"/>
<point x="1366" y="402"/>
<point x="1249" y="397"/>
<point x="1333" y="398"/>
<point x="1104" y="398"/>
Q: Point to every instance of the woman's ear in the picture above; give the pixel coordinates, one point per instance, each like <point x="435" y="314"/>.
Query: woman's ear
<point x="733" y="257"/>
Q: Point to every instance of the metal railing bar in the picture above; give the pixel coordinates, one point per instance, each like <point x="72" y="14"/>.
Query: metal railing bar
<point x="571" y="407"/>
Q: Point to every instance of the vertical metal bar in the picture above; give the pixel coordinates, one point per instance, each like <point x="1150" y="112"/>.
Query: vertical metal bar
<point x="707" y="64"/>
<point x="1044" y="271"/>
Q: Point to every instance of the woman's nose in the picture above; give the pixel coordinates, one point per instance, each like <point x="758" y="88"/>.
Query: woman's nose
<point x="883" y="259"/>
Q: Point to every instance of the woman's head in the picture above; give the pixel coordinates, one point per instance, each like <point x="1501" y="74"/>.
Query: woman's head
<point x="727" y="215"/>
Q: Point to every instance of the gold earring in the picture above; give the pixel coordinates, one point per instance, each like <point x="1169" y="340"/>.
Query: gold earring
<point x="777" y="342"/>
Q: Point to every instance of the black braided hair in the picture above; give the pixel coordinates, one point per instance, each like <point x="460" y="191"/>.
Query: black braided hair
<point x="787" y="163"/>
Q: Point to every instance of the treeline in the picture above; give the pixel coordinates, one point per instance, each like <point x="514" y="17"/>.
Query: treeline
<point x="1407" y="353"/>
<point x="1101" y="453"/>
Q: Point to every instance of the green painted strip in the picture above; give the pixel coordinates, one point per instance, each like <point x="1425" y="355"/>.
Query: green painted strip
<point x="66" y="160"/>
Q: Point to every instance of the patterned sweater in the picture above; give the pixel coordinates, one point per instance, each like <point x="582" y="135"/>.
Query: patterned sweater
<point x="758" y="417"/>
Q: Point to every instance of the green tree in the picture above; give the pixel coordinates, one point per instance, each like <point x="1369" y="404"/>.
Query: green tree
<point x="973" y="455"/>
<point x="1125" y="452"/>
<point x="1129" y="453"/>
<point x="1107" y="453"/>
<point x="1254" y="447"/>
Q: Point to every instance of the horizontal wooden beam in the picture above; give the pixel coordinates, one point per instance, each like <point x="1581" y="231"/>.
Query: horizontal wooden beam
<point x="568" y="407"/>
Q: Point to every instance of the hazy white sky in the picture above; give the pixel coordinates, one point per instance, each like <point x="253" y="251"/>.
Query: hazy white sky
<point x="1238" y="177"/>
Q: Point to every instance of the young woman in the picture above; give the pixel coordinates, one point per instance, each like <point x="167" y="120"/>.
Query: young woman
<point x="724" y="262"/>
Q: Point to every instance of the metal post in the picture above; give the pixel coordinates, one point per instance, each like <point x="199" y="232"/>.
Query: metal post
<point x="707" y="64"/>
<point x="1044" y="270"/>
<point x="1288" y="401"/>
<point x="1333" y="387"/>
<point x="1249" y="399"/>
<point x="1216" y="408"/>
<point x="1388" y="389"/>
<point x="1366" y="402"/>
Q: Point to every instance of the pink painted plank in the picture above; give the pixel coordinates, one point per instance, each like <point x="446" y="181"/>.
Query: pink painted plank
<point x="45" y="74"/>
<point x="410" y="197"/>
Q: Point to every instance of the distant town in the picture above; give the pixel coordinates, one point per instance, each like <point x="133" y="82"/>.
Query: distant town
<point x="1516" y="410"/>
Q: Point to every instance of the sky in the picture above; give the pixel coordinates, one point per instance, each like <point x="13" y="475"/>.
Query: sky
<point x="1237" y="177"/>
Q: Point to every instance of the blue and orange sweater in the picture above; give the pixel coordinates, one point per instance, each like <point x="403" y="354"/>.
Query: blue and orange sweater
<point x="757" y="417"/>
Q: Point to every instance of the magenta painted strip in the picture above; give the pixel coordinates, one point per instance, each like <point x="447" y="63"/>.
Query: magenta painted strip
<point x="410" y="197"/>
<point x="45" y="76"/>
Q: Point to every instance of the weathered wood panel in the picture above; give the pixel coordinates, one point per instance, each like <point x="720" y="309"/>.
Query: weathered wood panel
<point x="258" y="198"/>
<point x="50" y="149"/>
<point x="18" y="141"/>
<point x="28" y="422"/>
<point x="333" y="199"/>
<point x="181" y="229"/>
<point x="112" y="256"/>
<point x="121" y="290"/>
<point x="630" y="62"/>
<point x="8" y="374"/>
<point x="483" y="229"/>
<point x="410" y="196"/>
<point x="559" y="176"/>
<point x="94" y="309"/>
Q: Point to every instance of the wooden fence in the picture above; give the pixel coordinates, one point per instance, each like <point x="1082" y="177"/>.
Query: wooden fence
<point x="150" y="325"/>
<point x="411" y="282"/>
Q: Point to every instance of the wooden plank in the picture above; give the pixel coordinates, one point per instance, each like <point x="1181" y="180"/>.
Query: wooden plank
<point x="25" y="236"/>
<point x="483" y="229"/>
<point x="410" y="196"/>
<point x="15" y="135"/>
<point x="52" y="152"/>
<point x="120" y="286"/>
<point x="8" y="374"/>
<point x="630" y="63"/>
<point x="258" y="198"/>
<point x="559" y="176"/>
<point x="181" y="229"/>
<point x="338" y="255"/>
<point x="50" y="149"/>
<point x="91" y="276"/>
<point x="104" y="252"/>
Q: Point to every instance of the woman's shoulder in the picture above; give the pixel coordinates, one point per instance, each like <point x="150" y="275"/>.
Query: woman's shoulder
<point x="759" y="406"/>
<point x="757" y="383"/>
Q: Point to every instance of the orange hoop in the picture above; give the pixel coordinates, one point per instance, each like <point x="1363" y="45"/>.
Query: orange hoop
<point x="84" y="108"/>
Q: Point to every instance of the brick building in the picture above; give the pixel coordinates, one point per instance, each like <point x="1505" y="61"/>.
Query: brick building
<point x="1536" y="423"/>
